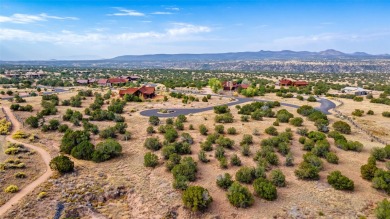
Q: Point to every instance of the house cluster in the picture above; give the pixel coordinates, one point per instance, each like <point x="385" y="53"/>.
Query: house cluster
<point x="286" y="82"/>
<point x="108" y="82"/>
<point x="145" y="91"/>
<point x="233" y="85"/>
<point x="358" y="91"/>
<point x="28" y="74"/>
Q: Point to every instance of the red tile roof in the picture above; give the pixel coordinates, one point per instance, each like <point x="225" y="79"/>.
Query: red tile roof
<point x="147" y="90"/>
<point x="102" y="81"/>
<point x="116" y="80"/>
<point x="244" y="86"/>
<point x="301" y="83"/>
<point x="285" y="82"/>
<point x="131" y="91"/>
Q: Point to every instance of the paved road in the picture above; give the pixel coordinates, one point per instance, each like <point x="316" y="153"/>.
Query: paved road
<point x="30" y="187"/>
<point x="55" y="90"/>
<point x="325" y="106"/>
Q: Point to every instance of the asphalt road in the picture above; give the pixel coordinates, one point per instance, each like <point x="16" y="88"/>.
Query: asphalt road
<point x="325" y="106"/>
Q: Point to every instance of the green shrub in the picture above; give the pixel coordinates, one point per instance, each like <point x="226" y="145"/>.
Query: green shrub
<point x="32" y="121"/>
<point x="368" y="171"/>
<point x="307" y="171"/>
<point x="289" y="160"/>
<point x="150" y="130"/>
<point x="382" y="211"/>
<point x="379" y="153"/>
<point x="224" y="142"/>
<point x="154" y="120"/>
<point x="206" y="146"/>
<point x="235" y="160"/>
<point x="221" y="109"/>
<point x="244" y="118"/>
<point x="332" y="158"/>
<point x="278" y="178"/>
<point x="311" y="99"/>
<point x="245" y="175"/>
<point x="276" y="123"/>
<point x="106" y="150"/>
<point x="284" y="116"/>
<point x="256" y="115"/>
<point x="271" y="131"/>
<point x="316" y="136"/>
<point x="321" y="148"/>
<point x="231" y="131"/>
<point x="308" y="145"/>
<point x="196" y="198"/>
<point x="245" y="150"/>
<point x="313" y="160"/>
<point x="340" y="182"/>
<point x="386" y="114"/>
<point x="83" y="151"/>
<point x="224" y="118"/>
<point x="152" y="144"/>
<point x="171" y="135"/>
<point x="172" y="161"/>
<point x="42" y="195"/>
<point x="358" y="112"/>
<point x="11" y="189"/>
<point x="71" y="139"/>
<point x="62" y="164"/>
<point x="219" y="152"/>
<point x="370" y="112"/>
<point x="296" y="121"/>
<point x="358" y="99"/>
<point x="150" y="160"/>
<point x="187" y="168"/>
<point x="203" y="130"/>
<point x="186" y="137"/>
<point x="180" y="182"/>
<point x="20" y="175"/>
<point x="220" y="129"/>
<point x="342" y="127"/>
<point x="224" y="181"/>
<point x="223" y="163"/>
<point x="246" y="139"/>
<point x="63" y="128"/>
<point x="302" y="131"/>
<point x="181" y="118"/>
<point x="265" y="189"/>
<point x="239" y="196"/>
<point x="381" y="180"/>
<point x="203" y="157"/>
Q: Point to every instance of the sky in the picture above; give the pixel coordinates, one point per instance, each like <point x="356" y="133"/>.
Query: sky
<point x="98" y="29"/>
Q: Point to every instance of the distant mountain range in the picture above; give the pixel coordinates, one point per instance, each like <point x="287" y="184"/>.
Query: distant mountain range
<point x="329" y="54"/>
<point x="328" y="61"/>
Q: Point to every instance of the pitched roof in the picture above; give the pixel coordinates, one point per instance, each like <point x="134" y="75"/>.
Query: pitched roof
<point x="102" y="81"/>
<point x="130" y="90"/>
<point x="285" y="81"/>
<point x="147" y="90"/>
<point x="116" y="80"/>
<point x="301" y="83"/>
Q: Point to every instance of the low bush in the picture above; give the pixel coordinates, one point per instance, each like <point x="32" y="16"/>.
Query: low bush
<point x="340" y="182"/>
<point x="203" y="157"/>
<point x="106" y="150"/>
<point x="370" y="112"/>
<point x="278" y="178"/>
<point x="224" y="181"/>
<point x="235" y="160"/>
<point x="381" y="180"/>
<point x="386" y="114"/>
<point x="379" y="153"/>
<point x="271" y="131"/>
<point x="62" y="164"/>
<point x="223" y="163"/>
<point x="239" y="196"/>
<point x="20" y="175"/>
<point x="203" y="130"/>
<point x="265" y="189"/>
<point x="358" y="112"/>
<point x="368" y="171"/>
<point x="245" y="175"/>
<point x="298" y="121"/>
<point x="150" y="160"/>
<point x="331" y="157"/>
<point x="152" y="144"/>
<point x="245" y="150"/>
<point x="289" y="160"/>
<point x="220" y="129"/>
<point x="231" y="131"/>
<point x="311" y="99"/>
<point x="342" y="127"/>
<point x="382" y="210"/>
<point x="196" y="198"/>
<point x="11" y="189"/>
<point x="307" y="171"/>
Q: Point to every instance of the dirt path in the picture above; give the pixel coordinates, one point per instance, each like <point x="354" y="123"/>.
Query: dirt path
<point x="30" y="187"/>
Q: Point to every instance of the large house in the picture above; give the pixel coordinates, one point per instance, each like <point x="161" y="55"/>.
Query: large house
<point x="116" y="81"/>
<point x="131" y="77"/>
<point x="233" y="85"/>
<point x="355" y="90"/>
<point x="144" y="91"/>
<point x="286" y="82"/>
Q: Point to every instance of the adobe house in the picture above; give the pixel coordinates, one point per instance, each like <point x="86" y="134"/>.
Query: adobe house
<point x="102" y="82"/>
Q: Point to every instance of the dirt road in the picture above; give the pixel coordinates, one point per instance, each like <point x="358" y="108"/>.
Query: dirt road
<point x="30" y="187"/>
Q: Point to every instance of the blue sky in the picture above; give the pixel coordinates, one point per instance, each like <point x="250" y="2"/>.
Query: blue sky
<point x="83" y="29"/>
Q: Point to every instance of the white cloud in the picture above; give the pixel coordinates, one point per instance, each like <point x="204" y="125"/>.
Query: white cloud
<point x="27" y="18"/>
<point x="161" y="13"/>
<point x="183" y="29"/>
<point x="173" y="8"/>
<point x="127" y="12"/>
<point x="178" y="31"/>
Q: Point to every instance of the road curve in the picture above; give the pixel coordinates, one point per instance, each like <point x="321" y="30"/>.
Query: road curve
<point x="30" y="187"/>
<point x="325" y="106"/>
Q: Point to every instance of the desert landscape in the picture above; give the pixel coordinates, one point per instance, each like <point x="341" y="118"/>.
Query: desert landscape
<point x="279" y="136"/>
